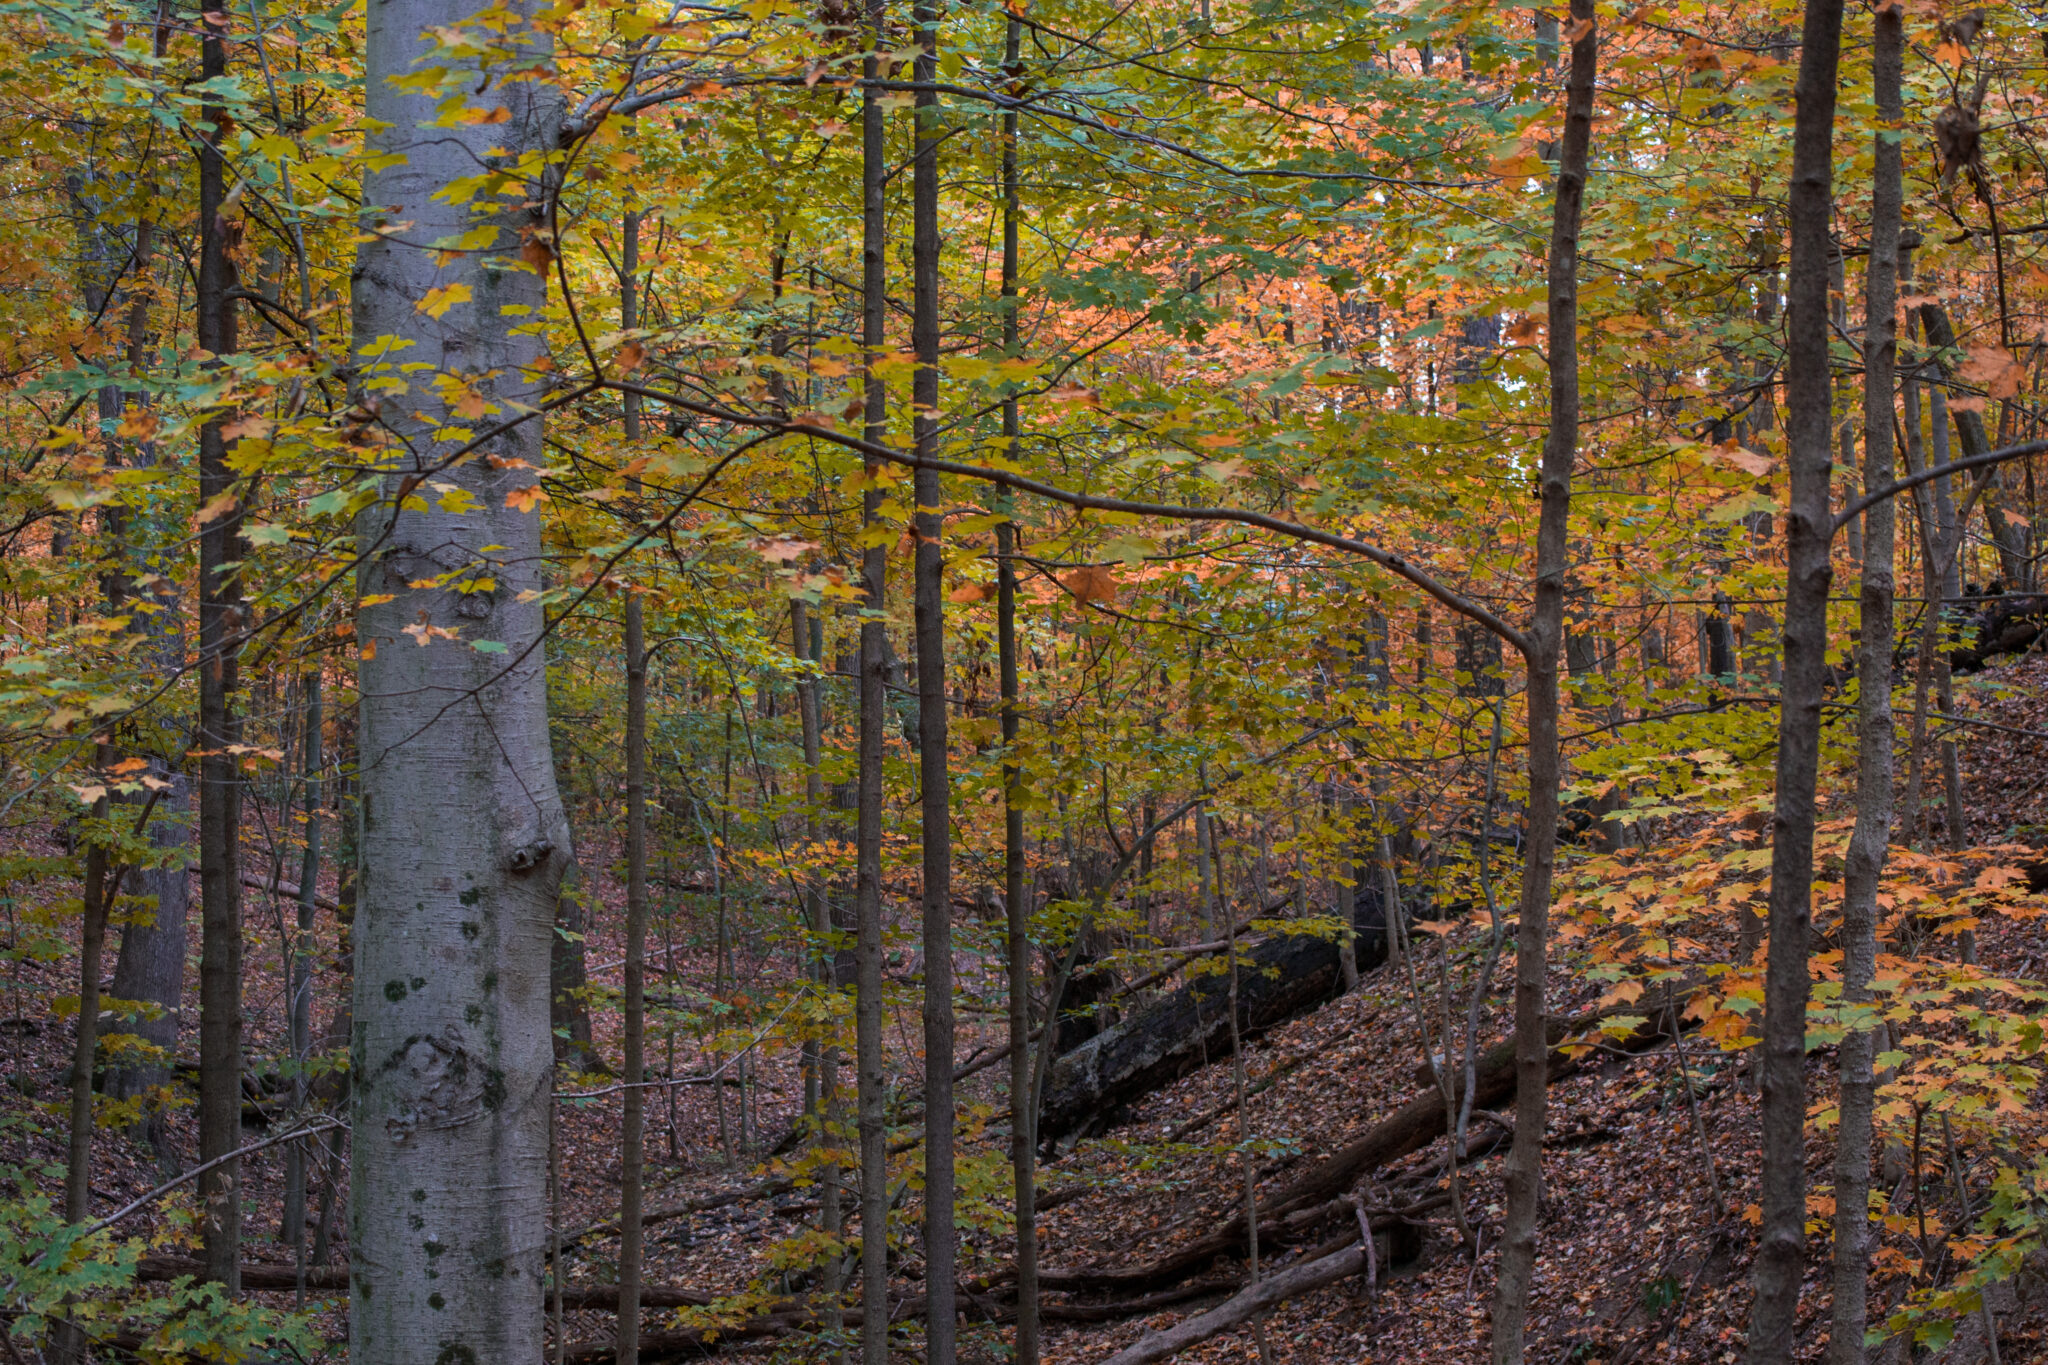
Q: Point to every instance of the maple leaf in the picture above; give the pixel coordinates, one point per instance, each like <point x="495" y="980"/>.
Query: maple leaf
<point x="1743" y="458"/>
<point x="470" y="405"/>
<point x="537" y="254"/>
<point x="441" y="298"/>
<point x="629" y="357"/>
<point x="526" y="499"/>
<point x="1994" y="368"/>
<point x="139" y="424"/>
<point x="780" y="550"/>
<point x="1093" y="583"/>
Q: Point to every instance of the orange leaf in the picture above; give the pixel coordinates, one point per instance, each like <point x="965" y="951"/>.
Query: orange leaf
<point x="1995" y="369"/>
<point x="526" y="499"/>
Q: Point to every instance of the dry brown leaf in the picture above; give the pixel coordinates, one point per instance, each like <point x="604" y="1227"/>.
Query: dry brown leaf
<point x="1094" y="583"/>
<point x="1747" y="460"/>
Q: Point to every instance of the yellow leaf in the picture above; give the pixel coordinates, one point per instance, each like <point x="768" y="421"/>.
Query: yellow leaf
<point x="441" y="298"/>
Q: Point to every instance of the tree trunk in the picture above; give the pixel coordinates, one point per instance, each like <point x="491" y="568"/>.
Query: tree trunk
<point x="871" y="1080"/>
<point x="1780" y="1260"/>
<point x="300" y="987"/>
<point x="1524" y="1176"/>
<point x="1016" y="893"/>
<point x="808" y="644"/>
<point x="1872" y="836"/>
<point x="632" y="1135"/>
<point x="150" y="969"/>
<point x="632" y="1148"/>
<point x="220" y="777"/>
<point x="464" y="840"/>
<point x="934" y="781"/>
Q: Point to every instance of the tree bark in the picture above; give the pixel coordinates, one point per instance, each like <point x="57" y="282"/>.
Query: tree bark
<point x="871" y="1081"/>
<point x="808" y="644"/>
<point x="1524" y="1176"/>
<point x="150" y="969"/>
<point x="300" y="986"/>
<point x="632" y="1135"/>
<point x="934" y="780"/>
<point x="1780" y="1260"/>
<point x="1871" y="839"/>
<point x="1016" y="903"/>
<point x="464" y="840"/>
<point x="220" y="778"/>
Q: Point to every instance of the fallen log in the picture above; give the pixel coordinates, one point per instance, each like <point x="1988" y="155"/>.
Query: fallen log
<point x="1242" y="1306"/>
<point x="1279" y="978"/>
<point x="2007" y="625"/>
<point x="268" y="1277"/>
<point x="1409" y="1129"/>
<point x="256" y="1275"/>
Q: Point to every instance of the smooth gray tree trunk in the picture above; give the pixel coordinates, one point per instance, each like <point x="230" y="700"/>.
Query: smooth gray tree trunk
<point x="463" y="840"/>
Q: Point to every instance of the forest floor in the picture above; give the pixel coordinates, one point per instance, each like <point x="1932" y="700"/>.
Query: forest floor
<point x="1645" y="1248"/>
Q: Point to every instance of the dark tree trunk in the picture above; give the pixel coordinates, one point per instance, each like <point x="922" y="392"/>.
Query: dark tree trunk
<point x="632" y="1135"/>
<point x="220" y="805"/>
<point x="568" y="1006"/>
<point x="1545" y="640"/>
<point x="934" y="781"/>
<point x="151" y="967"/>
<point x="1872" y="837"/>
<point x="1016" y="903"/>
<point x="871" y="1079"/>
<point x="1780" y="1260"/>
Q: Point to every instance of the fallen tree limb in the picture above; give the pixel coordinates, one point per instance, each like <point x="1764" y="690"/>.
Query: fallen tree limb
<point x="285" y="889"/>
<point x="264" y="1276"/>
<point x="1240" y="1307"/>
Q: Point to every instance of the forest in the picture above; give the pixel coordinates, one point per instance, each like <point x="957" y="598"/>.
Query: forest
<point x="1071" y="682"/>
